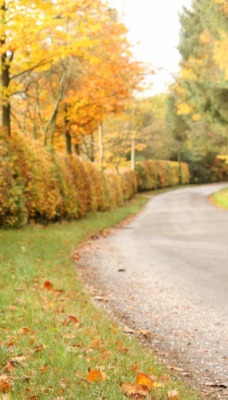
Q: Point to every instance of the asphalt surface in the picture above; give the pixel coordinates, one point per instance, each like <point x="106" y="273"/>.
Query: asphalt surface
<point x="167" y="272"/>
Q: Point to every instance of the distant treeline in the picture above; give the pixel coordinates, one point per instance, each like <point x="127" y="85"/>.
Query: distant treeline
<point x="42" y="186"/>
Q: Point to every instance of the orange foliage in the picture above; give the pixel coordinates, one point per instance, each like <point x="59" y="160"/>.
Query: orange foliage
<point x="41" y="185"/>
<point x="159" y="174"/>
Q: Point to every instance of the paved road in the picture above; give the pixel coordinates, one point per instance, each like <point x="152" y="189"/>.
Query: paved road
<point x="174" y="280"/>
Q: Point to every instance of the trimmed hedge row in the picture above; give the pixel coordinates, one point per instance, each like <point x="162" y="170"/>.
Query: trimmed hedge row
<point x="41" y="185"/>
<point x="153" y="174"/>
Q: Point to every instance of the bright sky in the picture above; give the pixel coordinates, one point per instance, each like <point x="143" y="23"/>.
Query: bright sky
<point x="154" y="29"/>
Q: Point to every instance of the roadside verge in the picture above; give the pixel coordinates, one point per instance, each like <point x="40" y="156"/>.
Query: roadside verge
<point x="54" y="343"/>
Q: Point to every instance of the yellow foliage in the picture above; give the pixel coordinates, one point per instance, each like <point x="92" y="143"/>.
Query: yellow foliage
<point x="223" y="157"/>
<point x="184" y="109"/>
<point x="179" y="90"/>
<point x="220" y="54"/>
<point x="196" y="117"/>
<point x="205" y="37"/>
<point x="188" y="74"/>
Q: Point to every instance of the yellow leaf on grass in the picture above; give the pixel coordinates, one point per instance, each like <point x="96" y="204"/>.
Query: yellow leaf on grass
<point x="130" y="390"/>
<point x="158" y="385"/>
<point x="144" y="379"/>
<point x="95" y="376"/>
<point x="173" y="395"/>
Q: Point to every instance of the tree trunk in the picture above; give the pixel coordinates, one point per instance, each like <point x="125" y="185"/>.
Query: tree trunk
<point x="179" y="163"/>
<point x="5" y="79"/>
<point x="92" y="158"/>
<point x="77" y="149"/>
<point x="101" y="149"/>
<point x="68" y="143"/>
<point x="67" y="132"/>
<point x="133" y="151"/>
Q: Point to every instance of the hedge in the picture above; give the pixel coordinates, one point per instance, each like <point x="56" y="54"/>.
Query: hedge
<point x="42" y="186"/>
<point x="153" y="174"/>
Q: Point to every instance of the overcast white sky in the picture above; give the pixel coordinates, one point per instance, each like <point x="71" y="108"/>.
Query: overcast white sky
<point x="154" y="29"/>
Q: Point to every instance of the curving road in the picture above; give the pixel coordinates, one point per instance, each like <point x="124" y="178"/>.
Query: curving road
<point x="167" y="272"/>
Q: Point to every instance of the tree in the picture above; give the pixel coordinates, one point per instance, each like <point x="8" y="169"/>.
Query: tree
<point x="63" y="85"/>
<point x="199" y="97"/>
<point x="204" y="72"/>
<point x="24" y="46"/>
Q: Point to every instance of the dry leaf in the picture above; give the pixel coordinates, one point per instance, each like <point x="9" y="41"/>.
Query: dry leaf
<point x="173" y="395"/>
<point x="24" y="330"/>
<point x="75" y="257"/>
<point x="48" y="285"/>
<point x="39" y="348"/>
<point x="43" y="369"/>
<point x="165" y="378"/>
<point x="144" y="379"/>
<point x="145" y="332"/>
<point x="135" y="367"/>
<point x="101" y="298"/>
<point x="5" y="384"/>
<point x="95" y="376"/>
<point x="126" y="329"/>
<point x="158" y="385"/>
<point x="18" y="360"/>
<point x="134" y="391"/>
<point x="120" y="347"/>
<point x="73" y="319"/>
<point x="175" y="368"/>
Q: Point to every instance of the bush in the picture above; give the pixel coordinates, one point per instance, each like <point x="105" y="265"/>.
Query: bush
<point x="115" y="193"/>
<point x="39" y="176"/>
<point x="128" y="184"/>
<point x="41" y="185"/>
<point x="208" y="169"/>
<point x="160" y="174"/>
<point x="98" y="188"/>
<point x="13" y="211"/>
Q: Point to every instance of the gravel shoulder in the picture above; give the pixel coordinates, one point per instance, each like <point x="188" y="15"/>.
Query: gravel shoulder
<point x="165" y="274"/>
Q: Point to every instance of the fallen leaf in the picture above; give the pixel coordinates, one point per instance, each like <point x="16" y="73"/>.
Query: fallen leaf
<point x="75" y="257"/>
<point x="146" y="333"/>
<point x="120" y="347"/>
<point x="18" y="361"/>
<point x="144" y="379"/>
<point x="5" y="384"/>
<point x="158" y="385"/>
<point x="165" y="378"/>
<point x="101" y="298"/>
<point x="126" y="329"/>
<point x="24" y="330"/>
<point x="95" y="376"/>
<point x="134" y="391"/>
<point x="43" y="369"/>
<point x="218" y="385"/>
<point x="9" y="367"/>
<point x="73" y="319"/>
<point x="48" y="285"/>
<point x="134" y="367"/>
<point x="175" y="368"/>
<point x="173" y="395"/>
<point x="39" y="348"/>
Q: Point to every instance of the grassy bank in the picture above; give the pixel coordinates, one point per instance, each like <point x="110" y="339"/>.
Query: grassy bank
<point x="51" y="336"/>
<point x="220" y="198"/>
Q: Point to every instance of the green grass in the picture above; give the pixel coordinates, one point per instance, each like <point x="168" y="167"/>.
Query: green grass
<point x="43" y="353"/>
<point x="220" y="198"/>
